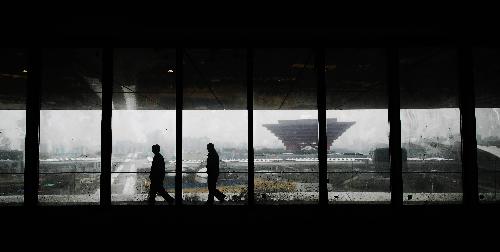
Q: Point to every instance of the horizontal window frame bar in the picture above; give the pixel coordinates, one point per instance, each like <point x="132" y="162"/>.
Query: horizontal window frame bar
<point x="44" y="173"/>
<point x="243" y="172"/>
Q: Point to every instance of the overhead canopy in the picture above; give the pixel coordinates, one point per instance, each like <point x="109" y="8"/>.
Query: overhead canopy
<point x="215" y="78"/>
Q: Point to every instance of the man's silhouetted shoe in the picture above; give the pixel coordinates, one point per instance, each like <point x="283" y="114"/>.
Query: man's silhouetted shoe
<point x="223" y="199"/>
<point x="170" y="201"/>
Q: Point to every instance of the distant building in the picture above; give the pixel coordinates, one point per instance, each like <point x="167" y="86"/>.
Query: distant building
<point x="299" y="134"/>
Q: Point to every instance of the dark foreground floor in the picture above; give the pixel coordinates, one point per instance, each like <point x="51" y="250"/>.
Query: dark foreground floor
<point x="225" y="227"/>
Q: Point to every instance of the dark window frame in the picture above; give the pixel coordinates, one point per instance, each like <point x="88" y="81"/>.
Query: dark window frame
<point x="466" y="106"/>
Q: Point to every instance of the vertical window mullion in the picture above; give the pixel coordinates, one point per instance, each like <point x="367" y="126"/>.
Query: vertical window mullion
<point x="468" y="127"/>
<point x="251" y="168"/>
<point x="31" y="167"/>
<point x="178" y="120"/>
<point x="106" y="131"/>
<point x="322" y="146"/>
<point x="396" y="178"/>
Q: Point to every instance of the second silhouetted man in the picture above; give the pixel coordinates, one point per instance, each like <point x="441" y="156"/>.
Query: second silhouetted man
<point x="213" y="175"/>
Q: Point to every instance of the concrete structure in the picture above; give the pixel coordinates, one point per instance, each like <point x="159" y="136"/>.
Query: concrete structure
<point x="298" y="134"/>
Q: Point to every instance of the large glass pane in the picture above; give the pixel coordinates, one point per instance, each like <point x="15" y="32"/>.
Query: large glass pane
<point x="227" y="130"/>
<point x="214" y="79"/>
<point x="284" y="79"/>
<point x="285" y="126"/>
<point x="358" y="156"/>
<point x="487" y="122"/>
<point x="70" y="156"/>
<point x="144" y="79"/>
<point x="488" y="153"/>
<point x="143" y="115"/>
<point x="214" y="99"/>
<point x="70" y="126"/>
<point x="13" y="74"/>
<point x="12" y="132"/>
<point x="134" y="133"/>
<point x="286" y="156"/>
<point x="430" y="126"/>
<point x="357" y="126"/>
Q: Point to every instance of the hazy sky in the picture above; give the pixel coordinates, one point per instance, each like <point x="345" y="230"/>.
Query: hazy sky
<point x="70" y="128"/>
<point x="59" y="127"/>
<point x="219" y="126"/>
<point x="136" y="125"/>
<point x="370" y="130"/>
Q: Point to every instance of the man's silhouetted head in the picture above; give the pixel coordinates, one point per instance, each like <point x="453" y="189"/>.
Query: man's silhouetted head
<point x="155" y="148"/>
<point x="210" y="147"/>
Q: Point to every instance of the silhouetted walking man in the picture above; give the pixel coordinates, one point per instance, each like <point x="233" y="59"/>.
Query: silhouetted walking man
<point x="213" y="175"/>
<point x="157" y="175"/>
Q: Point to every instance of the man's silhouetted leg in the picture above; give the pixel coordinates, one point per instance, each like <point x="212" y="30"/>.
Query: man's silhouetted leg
<point x="210" y="200"/>
<point x="211" y="190"/>
<point x="165" y="195"/>
<point x="219" y="195"/>
<point x="152" y="194"/>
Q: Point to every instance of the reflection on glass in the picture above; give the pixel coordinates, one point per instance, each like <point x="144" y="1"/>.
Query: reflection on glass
<point x="431" y="145"/>
<point x="358" y="156"/>
<point x="284" y="78"/>
<point x="214" y="78"/>
<point x="488" y="152"/>
<point x="487" y="100"/>
<point x="227" y="130"/>
<point x="144" y="78"/>
<point x="134" y="186"/>
<point x="134" y="132"/>
<point x="286" y="156"/>
<point x="12" y="133"/>
<point x="56" y="188"/>
<point x="70" y="156"/>
<point x="13" y="76"/>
